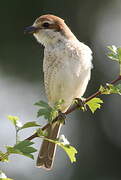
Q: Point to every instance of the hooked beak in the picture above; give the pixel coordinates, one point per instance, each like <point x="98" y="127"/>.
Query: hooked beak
<point x="31" y="29"/>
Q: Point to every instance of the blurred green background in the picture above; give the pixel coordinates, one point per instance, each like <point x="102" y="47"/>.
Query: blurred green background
<point x="97" y="137"/>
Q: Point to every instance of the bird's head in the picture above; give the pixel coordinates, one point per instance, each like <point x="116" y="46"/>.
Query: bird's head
<point x="49" y="29"/>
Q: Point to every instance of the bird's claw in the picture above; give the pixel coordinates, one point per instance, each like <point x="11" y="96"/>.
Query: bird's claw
<point x="61" y="117"/>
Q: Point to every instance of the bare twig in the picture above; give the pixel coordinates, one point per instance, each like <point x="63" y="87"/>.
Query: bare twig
<point x="73" y="108"/>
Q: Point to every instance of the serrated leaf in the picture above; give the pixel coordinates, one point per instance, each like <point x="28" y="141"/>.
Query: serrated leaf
<point x="94" y="104"/>
<point x="24" y="143"/>
<point x="12" y="150"/>
<point x="45" y="110"/>
<point x="23" y="148"/>
<point x="48" y="112"/>
<point x="70" y="150"/>
<point x="30" y="124"/>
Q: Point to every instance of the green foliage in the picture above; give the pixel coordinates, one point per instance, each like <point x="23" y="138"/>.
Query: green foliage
<point x="45" y="110"/>
<point x="30" y="124"/>
<point x="110" y="89"/>
<point x="94" y="104"/>
<point x="4" y="156"/>
<point x="5" y="179"/>
<point x="70" y="150"/>
<point x="48" y="112"/>
<point x="23" y="148"/>
<point x="41" y="133"/>
<point x="15" y="121"/>
<point x="115" y="54"/>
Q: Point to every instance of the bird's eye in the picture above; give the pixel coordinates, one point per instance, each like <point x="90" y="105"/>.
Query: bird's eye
<point x="46" y="25"/>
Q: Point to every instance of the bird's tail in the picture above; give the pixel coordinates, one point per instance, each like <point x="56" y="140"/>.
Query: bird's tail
<point x="47" y="152"/>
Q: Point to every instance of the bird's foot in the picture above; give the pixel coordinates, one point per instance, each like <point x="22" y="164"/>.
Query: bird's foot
<point x="81" y="103"/>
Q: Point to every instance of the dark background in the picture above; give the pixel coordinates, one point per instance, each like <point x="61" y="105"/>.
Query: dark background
<point x="97" y="137"/>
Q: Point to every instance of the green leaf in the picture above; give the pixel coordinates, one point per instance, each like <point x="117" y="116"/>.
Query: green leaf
<point x="42" y="104"/>
<point x="113" y="56"/>
<point x="53" y="114"/>
<point x="45" y="110"/>
<point x="15" y="121"/>
<point x="115" y="53"/>
<point x="23" y="148"/>
<point x="70" y="150"/>
<point x="48" y="112"/>
<point x="5" y="179"/>
<point x="30" y="124"/>
<point x="94" y="104"/>
<point x="119" y="54"/>
<point x="3" y="157"/>
<point x="110" y="89"/>
<point x="112" y="48"/>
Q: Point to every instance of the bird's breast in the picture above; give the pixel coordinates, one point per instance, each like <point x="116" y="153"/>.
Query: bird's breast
<point x="64" y="75"/>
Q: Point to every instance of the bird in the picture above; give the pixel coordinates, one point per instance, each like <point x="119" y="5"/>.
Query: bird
<point x="67" y="65"/>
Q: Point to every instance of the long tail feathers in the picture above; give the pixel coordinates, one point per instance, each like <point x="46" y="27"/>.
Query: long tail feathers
<point x="47" y="152"/>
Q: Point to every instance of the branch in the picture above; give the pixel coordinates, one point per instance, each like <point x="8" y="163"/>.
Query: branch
<point x="73" y="108"/>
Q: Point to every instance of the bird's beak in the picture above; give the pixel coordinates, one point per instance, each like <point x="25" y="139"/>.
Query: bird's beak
<point x="31" y="29"/>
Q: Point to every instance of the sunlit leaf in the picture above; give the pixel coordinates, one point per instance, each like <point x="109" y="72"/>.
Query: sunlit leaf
<point x="94" y="104"/>
<point x="70" y="150"/>
<point x="15" y="121"/>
